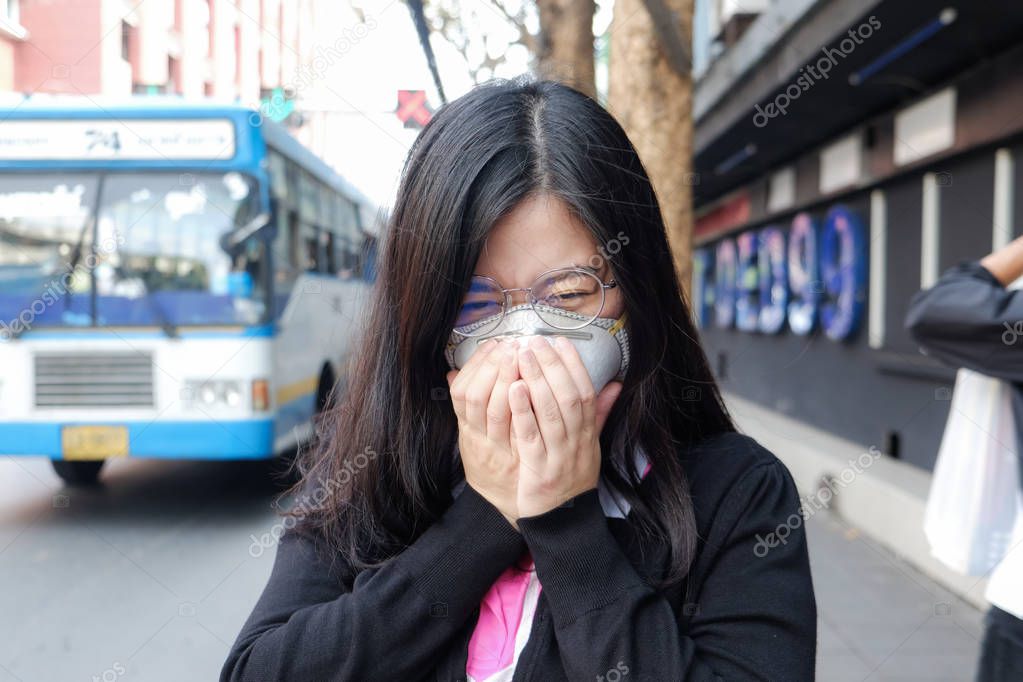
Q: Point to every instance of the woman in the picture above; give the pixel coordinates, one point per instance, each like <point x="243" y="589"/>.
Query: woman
<point x="487" y="505"/>
<point x="969" y="318"/>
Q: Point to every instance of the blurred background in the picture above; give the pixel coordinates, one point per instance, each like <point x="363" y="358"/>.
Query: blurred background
<point x="192" y="194"/>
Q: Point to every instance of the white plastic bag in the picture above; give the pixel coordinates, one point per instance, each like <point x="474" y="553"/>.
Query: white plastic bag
<point x="971" y="508"/>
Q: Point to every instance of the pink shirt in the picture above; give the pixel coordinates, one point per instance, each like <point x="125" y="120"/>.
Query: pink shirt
<point x="507" y="609"/>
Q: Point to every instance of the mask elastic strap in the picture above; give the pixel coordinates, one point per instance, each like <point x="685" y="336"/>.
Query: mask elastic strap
<point x="619" y="323"/>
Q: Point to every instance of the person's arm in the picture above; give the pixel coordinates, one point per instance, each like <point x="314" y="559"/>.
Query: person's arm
<point x="395" y="622"/>
<point x="1006" y="264"/>
<point x="969" y="319"/>
<point x="754" y="616"/>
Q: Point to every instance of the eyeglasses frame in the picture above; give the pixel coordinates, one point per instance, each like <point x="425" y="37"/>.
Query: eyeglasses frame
<point x="604" y="286"/>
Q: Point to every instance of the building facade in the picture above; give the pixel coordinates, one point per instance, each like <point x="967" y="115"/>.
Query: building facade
<point x="847" y="154"/>
<point x="235" y="50"/>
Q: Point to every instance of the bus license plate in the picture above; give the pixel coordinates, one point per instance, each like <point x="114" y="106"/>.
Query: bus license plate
<point x="94" y="442"/>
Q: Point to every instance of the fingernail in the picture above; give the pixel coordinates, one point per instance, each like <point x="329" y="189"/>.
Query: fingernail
<point x="527" y="358"/>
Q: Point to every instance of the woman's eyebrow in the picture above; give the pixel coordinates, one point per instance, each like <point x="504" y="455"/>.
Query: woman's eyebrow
<point x="590" y="268"/>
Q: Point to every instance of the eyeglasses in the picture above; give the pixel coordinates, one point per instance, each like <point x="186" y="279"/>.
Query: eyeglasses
<point x="575" y="291"/>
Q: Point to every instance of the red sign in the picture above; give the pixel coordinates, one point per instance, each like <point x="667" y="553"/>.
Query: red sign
<point x="412" y="109"/>
<point x="730" y="213"/>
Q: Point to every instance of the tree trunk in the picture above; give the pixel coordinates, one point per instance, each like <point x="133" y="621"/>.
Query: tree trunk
<point x="653" y="102"/>
<point x="566" y="43"/>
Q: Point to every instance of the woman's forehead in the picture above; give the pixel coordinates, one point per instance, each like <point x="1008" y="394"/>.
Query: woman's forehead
<point x="537" y="235"/>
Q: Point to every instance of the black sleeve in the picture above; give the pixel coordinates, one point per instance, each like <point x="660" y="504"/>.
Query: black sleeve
<point x="754" y="617"/>
<point x="969" y="319"/>
<point x="395" y="621"/>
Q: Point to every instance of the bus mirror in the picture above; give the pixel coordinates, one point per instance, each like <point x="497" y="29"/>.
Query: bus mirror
<point x="234" y="239"/>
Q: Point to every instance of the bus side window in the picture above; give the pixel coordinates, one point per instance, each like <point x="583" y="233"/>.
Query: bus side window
<point x="346" y="268"/>
<point x="282" y="257"/>
<point x="248" y="275"/>
<point x="331" y="246"/>
<point x="355" y="253"/>
<point x="279" y="248"/>
<point x="369" y="259"/>
<point x="323" y="250"/>
<point x="295" y="259"/>
<point x="344" y="262"/>
<point x="311" y="259"/>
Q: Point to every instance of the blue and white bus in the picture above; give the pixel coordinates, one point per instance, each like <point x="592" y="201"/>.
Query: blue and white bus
<point x="176" y="281"/>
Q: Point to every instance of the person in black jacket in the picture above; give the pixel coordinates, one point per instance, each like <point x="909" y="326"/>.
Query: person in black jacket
<point x="971" y="318"/>
<point x="485" y="505"/>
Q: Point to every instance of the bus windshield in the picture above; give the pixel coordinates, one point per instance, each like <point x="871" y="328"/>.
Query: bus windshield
<point x="140" y="248"/>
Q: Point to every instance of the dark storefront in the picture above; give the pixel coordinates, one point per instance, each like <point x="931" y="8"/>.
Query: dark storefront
<point x="829" y="201"/>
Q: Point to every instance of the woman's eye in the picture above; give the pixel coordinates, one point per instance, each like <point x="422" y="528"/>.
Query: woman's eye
<point x="568" y="299"/>
<point x="479" y="304"/>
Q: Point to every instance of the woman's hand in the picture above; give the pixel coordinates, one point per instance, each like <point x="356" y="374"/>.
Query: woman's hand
<point x="556" y="419"/>
<point x="479" y="393"/>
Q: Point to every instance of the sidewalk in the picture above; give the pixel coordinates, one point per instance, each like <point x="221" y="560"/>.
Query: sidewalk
<point x="879" y="619"/>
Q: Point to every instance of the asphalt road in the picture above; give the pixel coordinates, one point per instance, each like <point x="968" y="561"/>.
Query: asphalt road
<point x="150" y="577"/>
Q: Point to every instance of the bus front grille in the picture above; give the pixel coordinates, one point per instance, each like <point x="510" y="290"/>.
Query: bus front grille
<point x="96" y="380"/>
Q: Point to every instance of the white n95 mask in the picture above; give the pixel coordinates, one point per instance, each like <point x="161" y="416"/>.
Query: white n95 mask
<point x="603" y="345"/>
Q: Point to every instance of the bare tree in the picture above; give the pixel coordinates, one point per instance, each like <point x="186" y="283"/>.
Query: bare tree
<point x="558" y="34"/>
<point x="460" y="23"/>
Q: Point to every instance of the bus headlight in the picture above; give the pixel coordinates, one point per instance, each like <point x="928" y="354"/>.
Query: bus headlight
<point x="232" y="395"/>
<point x="212" y="393"/>
<point x="207" y="394"/>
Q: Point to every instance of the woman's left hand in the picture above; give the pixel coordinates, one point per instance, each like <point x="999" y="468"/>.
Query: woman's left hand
<point x="556" y="420"/>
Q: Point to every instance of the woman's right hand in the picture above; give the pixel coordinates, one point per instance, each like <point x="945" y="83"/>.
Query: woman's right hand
<point x="479" y="394"/>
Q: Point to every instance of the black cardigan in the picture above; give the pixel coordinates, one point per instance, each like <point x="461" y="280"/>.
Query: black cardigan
<point x="746" y="611"/>
<point x="968" y="318"/>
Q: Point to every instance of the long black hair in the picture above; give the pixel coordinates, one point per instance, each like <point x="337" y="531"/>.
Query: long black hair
<point x="383" y="467"/>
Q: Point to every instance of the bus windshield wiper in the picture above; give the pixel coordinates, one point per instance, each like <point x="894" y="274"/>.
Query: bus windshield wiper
<point x="168" y="327"/>
<point x="76" y="255"/>
<point x="91" y="225"/>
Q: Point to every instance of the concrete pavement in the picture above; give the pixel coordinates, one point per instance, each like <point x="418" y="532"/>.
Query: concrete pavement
<point x="879" y="619"/>
<point x="887" y="610"/>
